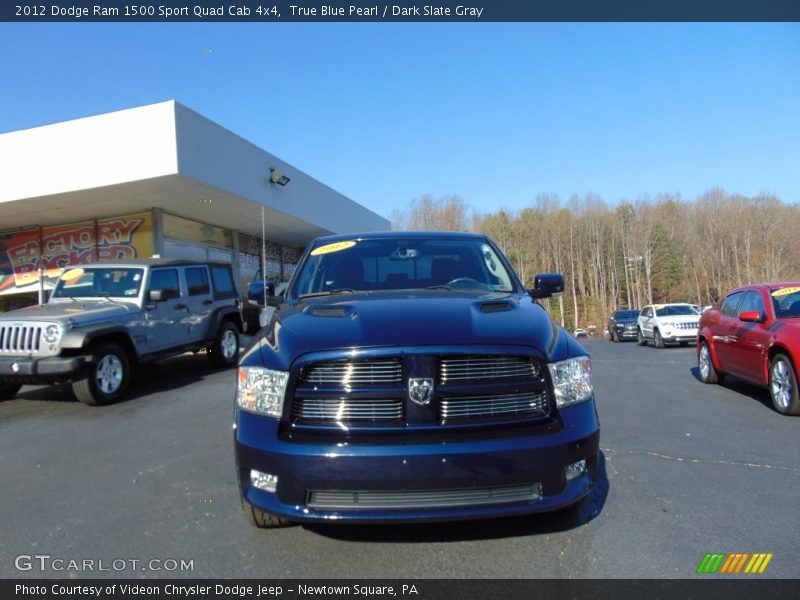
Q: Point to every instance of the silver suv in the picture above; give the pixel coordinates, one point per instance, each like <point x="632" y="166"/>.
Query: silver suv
<point x="102" y="319"/>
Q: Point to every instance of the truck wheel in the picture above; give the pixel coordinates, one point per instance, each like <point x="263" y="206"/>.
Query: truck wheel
<point x="106" y="377"/>
<point x="640" y="338"/>
<point x="7" y="392"/>
<point x="259" y="518"/>
<point x="657" y="339"/>
<point x="225" y="350"/>
<point x="783" y="386"/>
<point x="708" y="374"/>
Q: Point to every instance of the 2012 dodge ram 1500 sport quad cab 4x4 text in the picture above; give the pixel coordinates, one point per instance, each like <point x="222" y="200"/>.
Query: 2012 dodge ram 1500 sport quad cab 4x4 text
<point x="411" y="377"/>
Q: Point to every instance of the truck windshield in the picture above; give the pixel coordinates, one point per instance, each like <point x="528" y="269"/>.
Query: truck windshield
<point x="412" y="263"/>
<point x="114" y="282"/>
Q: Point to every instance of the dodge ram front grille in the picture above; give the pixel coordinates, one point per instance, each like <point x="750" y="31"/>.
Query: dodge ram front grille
<point x="348" y="410"/>
<point x="486" y="368"/>
<point x="348" y="373"/>
<point x="20" y="339"/>
<point x="369" y="499"/>
<point x="529" y="404"/>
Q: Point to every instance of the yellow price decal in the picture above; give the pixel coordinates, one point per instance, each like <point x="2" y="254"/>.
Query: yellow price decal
<point x="328" y="248"/>
<point x="72" y="274"/>
<point x="785" y="291"/>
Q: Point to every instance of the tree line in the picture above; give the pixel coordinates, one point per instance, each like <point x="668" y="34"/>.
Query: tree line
<point x="633" y="253"/>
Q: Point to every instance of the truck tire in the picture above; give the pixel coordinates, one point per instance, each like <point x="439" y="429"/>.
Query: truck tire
<point x="106" y="377"/>
<point x="8" y="391"/>
<point x="263" y="520"/>
<point x="224" y="352"/>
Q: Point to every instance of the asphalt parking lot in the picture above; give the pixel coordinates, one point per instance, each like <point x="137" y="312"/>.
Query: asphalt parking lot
<point x="686" y="469"/>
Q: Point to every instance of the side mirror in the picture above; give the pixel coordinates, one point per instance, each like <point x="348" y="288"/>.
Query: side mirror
<point x="155" y="295"/>
<point x="753" y="316"/>
<point x="547" y="285"/>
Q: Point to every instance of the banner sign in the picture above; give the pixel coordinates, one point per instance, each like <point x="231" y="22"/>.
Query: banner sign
<point x="354" y="11"/>
<point x="53" y="248"/>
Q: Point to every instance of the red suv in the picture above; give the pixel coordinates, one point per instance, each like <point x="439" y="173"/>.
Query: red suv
<point x="754" y="334"/>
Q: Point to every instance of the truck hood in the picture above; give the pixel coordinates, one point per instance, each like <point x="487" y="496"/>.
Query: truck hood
<point x="81" y="313"/>
<point x="411" y="318"/>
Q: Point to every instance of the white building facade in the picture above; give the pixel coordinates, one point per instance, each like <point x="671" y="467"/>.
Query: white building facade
<point x="157" y="180"/>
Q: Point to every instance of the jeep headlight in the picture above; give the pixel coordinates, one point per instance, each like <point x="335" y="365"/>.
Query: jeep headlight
<point x="261" y="390"/>
<point x="52" y="333"/>
<point x="572" y="380"/>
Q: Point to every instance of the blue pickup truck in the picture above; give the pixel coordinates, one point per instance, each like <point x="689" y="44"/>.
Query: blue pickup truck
<point x="412" y="377"/>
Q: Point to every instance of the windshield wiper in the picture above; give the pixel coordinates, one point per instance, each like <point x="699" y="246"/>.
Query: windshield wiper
<point x="332" y="292"/>
<point x="439" y="287"/>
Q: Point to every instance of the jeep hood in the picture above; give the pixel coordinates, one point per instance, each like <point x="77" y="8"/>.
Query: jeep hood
<point x="419" y="318"/>
<point x="81" y="313"/>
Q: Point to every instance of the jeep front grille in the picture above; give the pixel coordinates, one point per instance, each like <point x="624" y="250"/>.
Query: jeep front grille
<point x="533" y="404"/>
<point x="486" y="368"/>
<point x="687" y="325"/>
<point x="348" y="373"/>
<point x="20" y="339"/>
<point x="347" y="410"/>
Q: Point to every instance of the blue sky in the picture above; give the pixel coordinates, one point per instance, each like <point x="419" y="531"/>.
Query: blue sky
<point x="496" y="113"/>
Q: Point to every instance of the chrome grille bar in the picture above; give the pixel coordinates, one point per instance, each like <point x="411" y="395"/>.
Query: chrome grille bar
<point x="422" y="499"/>
<point x="486" y="368"/>
<point x="366" y="372"/>
<point x="19" y="339"/>
<point x="347" y="410"/>
<point x="528" y="404"/>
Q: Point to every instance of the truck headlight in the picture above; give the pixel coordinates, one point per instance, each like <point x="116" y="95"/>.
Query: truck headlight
<point x="52" y="333"/>
<point x="572" y="380"/>
<point x="261" y="390"/>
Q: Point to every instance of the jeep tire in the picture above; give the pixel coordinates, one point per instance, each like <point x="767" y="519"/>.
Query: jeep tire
<point x="224" y="352"/>
<point x="9" y="390"/>
<point x="640" y="339"/>
<point x="106" y="376"/>
<point x="658" y="341"/>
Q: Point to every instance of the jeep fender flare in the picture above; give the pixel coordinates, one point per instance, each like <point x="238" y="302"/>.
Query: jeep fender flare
<point x="224" y="313"/>
<point x="83" y="339"/>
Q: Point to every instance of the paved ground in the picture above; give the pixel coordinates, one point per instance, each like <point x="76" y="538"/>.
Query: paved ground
<point x="686" y="469"/>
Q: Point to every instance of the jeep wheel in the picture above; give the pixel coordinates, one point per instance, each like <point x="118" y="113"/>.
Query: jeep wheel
<point x="657" y="339"/>
<point x="106" y="377"/>
<point x="708" y="374"/>
<point x="7" y="392"/>
<point x="783" y="386"/>
<point x="225" y="351"/>
<point x="612" y="337"/>
<point x="640" y="338"/>
<point x="259" y="518"/>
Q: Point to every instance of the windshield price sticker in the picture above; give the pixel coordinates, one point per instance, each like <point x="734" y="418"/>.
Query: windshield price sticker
<point x="785" y="291"/>
<point x="328" y="248"/>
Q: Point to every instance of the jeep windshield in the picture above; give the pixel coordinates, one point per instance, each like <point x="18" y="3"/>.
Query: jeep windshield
<point x="681" y="310"/>
<point x="397" y="263"/>
<point x="99" y="282"/>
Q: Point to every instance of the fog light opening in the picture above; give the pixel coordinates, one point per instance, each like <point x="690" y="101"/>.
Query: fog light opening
<point x="575" y="470"/>
<point x="264" y="481"/>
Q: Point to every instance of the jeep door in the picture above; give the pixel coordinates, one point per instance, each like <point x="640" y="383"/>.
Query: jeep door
<point x="166" y="311"/>
<point x="646" y="321"/>
<point x="199" y="300"/>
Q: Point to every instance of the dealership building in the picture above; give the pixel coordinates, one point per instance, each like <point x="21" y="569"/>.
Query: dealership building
<point x="157" y="180"/>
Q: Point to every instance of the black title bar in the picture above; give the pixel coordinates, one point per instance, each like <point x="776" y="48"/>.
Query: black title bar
<point x="269" y="11"/>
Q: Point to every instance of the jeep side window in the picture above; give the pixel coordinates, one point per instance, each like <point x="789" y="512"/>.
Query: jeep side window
<point x="165" y="280"/>
<point x="223" y="282"/>
<point x="197" y="281"/>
